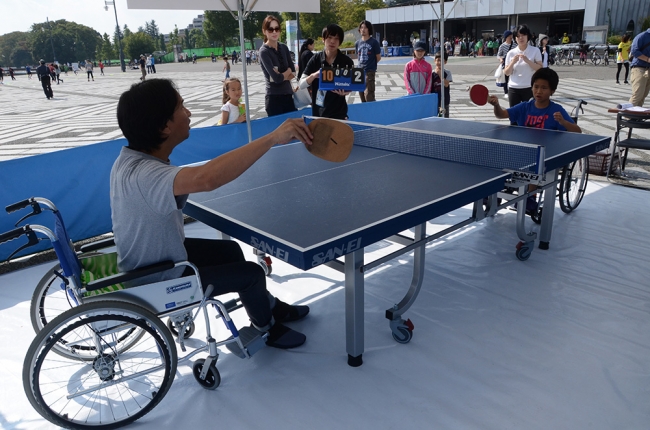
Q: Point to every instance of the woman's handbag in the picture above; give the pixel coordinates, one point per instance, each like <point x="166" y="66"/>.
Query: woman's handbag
<point x="500" y="76"/>
<point x="301" y="98"/>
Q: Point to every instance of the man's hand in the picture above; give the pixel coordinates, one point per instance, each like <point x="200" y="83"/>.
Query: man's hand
<point x="291" y="129"/>
<point x="288" y="75"/>
<point x="493" y="100"/>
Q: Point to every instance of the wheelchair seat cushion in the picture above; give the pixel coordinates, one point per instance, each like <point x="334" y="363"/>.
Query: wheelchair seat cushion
<point x="97" y="267"/>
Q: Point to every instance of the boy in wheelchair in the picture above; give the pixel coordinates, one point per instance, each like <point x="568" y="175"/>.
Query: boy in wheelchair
<point x="147" y="196"/>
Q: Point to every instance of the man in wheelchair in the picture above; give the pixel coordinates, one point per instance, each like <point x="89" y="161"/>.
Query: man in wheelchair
<point x="148" y="194"/>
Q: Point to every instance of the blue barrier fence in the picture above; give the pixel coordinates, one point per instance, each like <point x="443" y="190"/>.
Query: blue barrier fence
<point x="77" y="179"/>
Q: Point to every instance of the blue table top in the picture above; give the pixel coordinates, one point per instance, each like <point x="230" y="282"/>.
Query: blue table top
<point x="306" y="211"/>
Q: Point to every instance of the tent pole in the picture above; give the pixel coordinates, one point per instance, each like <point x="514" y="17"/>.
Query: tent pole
<point x="240" y="18"/>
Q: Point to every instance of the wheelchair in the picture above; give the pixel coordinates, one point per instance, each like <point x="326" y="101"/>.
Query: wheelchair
<point x="108" y="359"/>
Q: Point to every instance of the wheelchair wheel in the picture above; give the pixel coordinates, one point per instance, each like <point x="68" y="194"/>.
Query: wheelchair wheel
<point x="51" y="298"/>
<point x="573" y="182"/>
<point x="595" y="59"/>
<point x="117" y="386"/>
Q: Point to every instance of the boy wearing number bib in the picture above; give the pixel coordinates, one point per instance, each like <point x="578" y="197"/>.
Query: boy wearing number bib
<point x="328" y="104"/>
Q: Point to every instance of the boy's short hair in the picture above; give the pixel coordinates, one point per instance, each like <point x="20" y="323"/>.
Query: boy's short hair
<point x="143" y="111"/>
<point x="547" y="74"/>
<point x="438" y="55"/>
<point x="333" y="30"/>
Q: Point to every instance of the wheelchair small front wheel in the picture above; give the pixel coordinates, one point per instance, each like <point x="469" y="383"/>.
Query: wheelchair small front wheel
<point x="212" y="378"/>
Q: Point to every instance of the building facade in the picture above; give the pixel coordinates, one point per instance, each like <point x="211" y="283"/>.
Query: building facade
<point x="490" y="18"/>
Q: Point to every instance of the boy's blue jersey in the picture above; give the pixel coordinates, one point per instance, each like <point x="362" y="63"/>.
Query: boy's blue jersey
<point x="527" y="115"/>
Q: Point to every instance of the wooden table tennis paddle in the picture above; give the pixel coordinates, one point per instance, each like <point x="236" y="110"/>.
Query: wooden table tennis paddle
<point x="332" y="140"/>
<point x="478" y="94"/>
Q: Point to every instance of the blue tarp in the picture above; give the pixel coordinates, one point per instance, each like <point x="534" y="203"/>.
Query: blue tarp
<point x="77" y="179"/>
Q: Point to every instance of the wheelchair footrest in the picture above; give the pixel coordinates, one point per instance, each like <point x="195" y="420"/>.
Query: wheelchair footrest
<point x="252" y="340"/>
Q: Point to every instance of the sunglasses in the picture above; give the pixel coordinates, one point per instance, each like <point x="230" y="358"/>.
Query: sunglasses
<point x="274" y="30"/>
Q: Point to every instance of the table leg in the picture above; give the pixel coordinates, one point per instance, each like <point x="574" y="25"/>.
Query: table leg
<point x="354" y="312"/>
<point x="546" y="227"/>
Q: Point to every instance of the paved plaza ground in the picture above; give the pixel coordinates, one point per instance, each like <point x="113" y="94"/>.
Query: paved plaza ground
<point x="83" y="112"/>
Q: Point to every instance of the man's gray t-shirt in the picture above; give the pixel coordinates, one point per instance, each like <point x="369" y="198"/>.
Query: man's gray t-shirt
<point x="147" y="217"/>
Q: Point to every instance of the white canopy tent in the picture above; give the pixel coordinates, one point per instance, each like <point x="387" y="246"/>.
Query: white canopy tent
<point x="240" y="9"/>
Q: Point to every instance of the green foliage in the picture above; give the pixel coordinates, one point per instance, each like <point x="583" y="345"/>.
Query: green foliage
<point x="72" y="42"/>
<point x="312" y="24"/>
<point x="351" y="12"/>
<point x="646" y="23"/>
<point x="161" y="43"/>
<point x="15" y="49"/>
<point x="136" y="44"/>
<point x="253" y="25"/>
<point x="614" y="40"/>
<point x="220" y="27"/>
<point x="107" y="51"/>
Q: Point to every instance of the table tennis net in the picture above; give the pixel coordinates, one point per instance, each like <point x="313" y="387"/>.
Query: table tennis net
<point x="484" y="152"/>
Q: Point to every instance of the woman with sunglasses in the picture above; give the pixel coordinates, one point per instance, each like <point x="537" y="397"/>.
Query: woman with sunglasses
<point x="278" y="69"/>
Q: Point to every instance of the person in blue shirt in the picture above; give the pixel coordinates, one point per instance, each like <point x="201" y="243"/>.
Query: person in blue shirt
<point x="540" y="111"/>
<point x="640" y="74"/>
<point x="369" y="54"/>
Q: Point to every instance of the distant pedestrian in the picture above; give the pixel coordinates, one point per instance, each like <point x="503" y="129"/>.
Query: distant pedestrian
<point x="11" y="74"/>
<point x="226" y="68"/>
<point x="143" y="69"/>
<point x="43" y="73"/>
<point x="384" y="45"/>
<point x="623" y="58"/>
<point x="2" y="75"/>
<point x="152" y="60"/>
<point x="213" y="57"/>
<point x="101" y="68"/>
<point x="57" y="72"/>
<point x="28" y="69"/>
<point x="89" y="70"/>
<point x="148" y="63"/>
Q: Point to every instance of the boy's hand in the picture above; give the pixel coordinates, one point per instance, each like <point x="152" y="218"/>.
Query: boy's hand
<point x="559" y="118"/>
<point x="493" y="100"/>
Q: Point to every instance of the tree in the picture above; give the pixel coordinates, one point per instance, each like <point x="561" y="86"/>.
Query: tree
<point x="136" y="44"/>
<point x="108" y="51"/>
<point x="312" y="24"/>
<point x="253" y="25"/>
<point x="220" y="27"/>
<point x="198" y="39"/>
<point x="161" y="43"/>
<point x="127" y="32"/>
<point x="173" y="37"/>
<point x="15" y="49"/>
<point x="72" y="41"/>
<point x="352" y="12"/>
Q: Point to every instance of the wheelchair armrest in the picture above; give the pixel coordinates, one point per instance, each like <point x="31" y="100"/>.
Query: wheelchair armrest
<point x="129" y="276"/>
<point x="100" y="244"/>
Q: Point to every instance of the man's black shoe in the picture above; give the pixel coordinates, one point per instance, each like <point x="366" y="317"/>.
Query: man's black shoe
<point x="281" y="336"/>
<point x="283" y="312"/>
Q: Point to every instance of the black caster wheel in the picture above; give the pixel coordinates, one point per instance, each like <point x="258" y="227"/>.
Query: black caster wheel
<point x="523" y="251"/>
<point x="212" y="378"/>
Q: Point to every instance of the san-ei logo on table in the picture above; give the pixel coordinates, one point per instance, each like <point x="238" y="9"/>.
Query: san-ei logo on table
<point x="269" y="249"/>
<point x="332" y="253"/>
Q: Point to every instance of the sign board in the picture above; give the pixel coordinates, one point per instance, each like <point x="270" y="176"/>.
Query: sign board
<point x="342" y="79"/>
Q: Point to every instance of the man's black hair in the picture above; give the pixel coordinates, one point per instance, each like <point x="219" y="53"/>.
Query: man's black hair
<point x="368" y="26"/>
<point x="547" y="74"/>
<point x="333" y="30"/>
<point x="143" y="112"/>
<point x="438" y="55"/>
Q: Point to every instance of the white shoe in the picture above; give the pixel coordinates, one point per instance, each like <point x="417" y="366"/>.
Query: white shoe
<point x="505" y="96"/>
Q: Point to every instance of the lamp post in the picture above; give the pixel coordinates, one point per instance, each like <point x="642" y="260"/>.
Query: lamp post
<point x="51" y="42"/>
<point x="108" y="3"/>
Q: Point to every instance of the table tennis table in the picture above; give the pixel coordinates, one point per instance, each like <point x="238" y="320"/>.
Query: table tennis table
<point x="306" y="211"/>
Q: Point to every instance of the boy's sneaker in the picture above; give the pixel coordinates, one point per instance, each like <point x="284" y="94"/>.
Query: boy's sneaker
<point x="618" y="83"/>
<point x="281" y="336"/>
<point x="283" y="312"/>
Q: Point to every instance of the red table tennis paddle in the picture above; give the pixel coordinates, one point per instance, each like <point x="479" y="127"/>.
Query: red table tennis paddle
<point x="332" y="140"/>
<point x="478" y="94"/>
